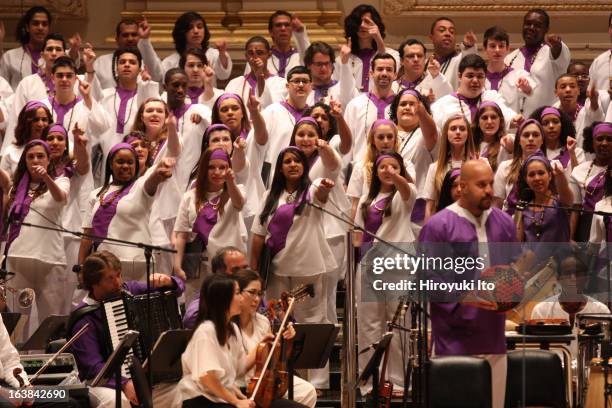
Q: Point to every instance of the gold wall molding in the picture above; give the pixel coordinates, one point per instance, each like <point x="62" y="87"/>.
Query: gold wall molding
<point x="406" y="7"/>
<point x="60" y="9"/>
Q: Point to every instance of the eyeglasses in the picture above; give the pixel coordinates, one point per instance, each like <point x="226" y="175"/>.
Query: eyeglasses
<point x="300" y="81"/>
<point x="255" y="292"/>
<point x="61" y="75"/>
<point x="322" y="64"/>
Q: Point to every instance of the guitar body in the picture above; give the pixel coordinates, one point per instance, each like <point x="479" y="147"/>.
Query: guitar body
<point x="385" y="391"/>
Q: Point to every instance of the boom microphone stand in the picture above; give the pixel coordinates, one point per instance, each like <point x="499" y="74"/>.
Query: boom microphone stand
<point x="419" y="395"/>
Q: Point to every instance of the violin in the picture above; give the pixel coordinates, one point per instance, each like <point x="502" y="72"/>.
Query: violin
<point x="271" y="378"/>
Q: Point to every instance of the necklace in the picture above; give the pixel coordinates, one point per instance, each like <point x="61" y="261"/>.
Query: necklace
<point x="214" y="202"/>
<point x="377" y="208"/>
<point x="70" y="105"/>
<point x="407" y="139"/>
<point x="291" y="196"/>
<point x="107" y="201"/>
<point x="585" y="185"/>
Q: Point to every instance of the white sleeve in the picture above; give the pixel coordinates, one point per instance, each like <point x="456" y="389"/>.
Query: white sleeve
<point x="467" y="51"/>
<point x="258" y="228"/>
<point x="356" y="182"/>
<point x="500" y="181"/>
<point x="301" y="43"/>
<point x="347" y="84"/>
<point x="9" y="357"/>
<point x="182" y="223"/>
<point x="562" y="62"/>
<point x="89" y="214"/>
<point x="206" y="354"/>
<point x="212" y="54"/>
<point x="151" y="59"/>
<point x="440" y="85"/>
<point x="575" y="187"/>
<point x="428" y="192"/>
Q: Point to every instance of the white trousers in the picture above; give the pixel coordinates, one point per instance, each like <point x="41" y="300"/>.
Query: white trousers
<point x="499" y="372"/>
<point x="331" y="278"/>
<point x="303" y="392"/>
<point x="103" y="397"/>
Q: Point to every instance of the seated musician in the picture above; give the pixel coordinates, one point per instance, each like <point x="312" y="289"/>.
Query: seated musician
<point x="101" y="275"/>
<point x="215" y="357"/>
<point x="255" y="326"/>
<point x="11" y="379"/>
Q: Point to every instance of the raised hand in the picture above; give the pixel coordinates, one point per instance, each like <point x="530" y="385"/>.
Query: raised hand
<point x="557" y="168"/>
<point x="297" y="25"/>
<point x="144" y="74"/>
<point x="39" y="171"/>
<point x="75" y="44"/>
<point x="345" y="51"/>
<point x="84" y="88"/>
<point x="196" y="118"/>
<point x="164" y="168"/>
<point x="89" y="57"/>
<point x="252" y="103"/>
<point x="433" y="67"/>
<point x="209" y="76"/>
<point x="373" y="29"/>
<point x="144" y="29"/>
<point x="327" y="184"/>
<point x="79" y="135"/>
<point x="469" y="39"/>
<point x="171" y="121"/>
<point x="524" y="85"/>
<point x="554" y="42"/>
<point x="221" y="45"/>
<point x="593" y="95"/>
<point x="335" y="108"/>
<point x="240" y="144"/>
<point x="230" y="177"/>
<point x="516" y="121"/>
<point x="570" y="145"/>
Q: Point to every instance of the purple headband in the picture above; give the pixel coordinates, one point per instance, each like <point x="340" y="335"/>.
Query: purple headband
<point x="527" y="123"/>
<point x="549" y="110"/>
<point x="538" y="155"/>
<point x="381" y="122"/>
<point x="37" y="142"/>
<point x="455" y="172"/>
<point x="308" y="119"/>
<point x="56" y="127"/>
<point x="216" y="126"/>
<point x="34" y="105"/>
<point x="488" y="104"/>
<point x="383" y="156"/>
<point x="409" y="92"/>
<point x="121" y="146"/>
<point x="603" y="127"/>
<point x="227" y="95"/>
<point x="219" y="154"/>
<point x="134" y="136"/>
<point x="289" y="148"/>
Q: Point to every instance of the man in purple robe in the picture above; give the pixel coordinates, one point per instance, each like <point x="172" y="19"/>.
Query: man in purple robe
<point x="101" y="274"/>
<point x="459" y="328"/>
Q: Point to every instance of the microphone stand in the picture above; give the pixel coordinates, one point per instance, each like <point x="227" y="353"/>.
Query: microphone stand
<point x="419" y="396"/>
<point x="148" y="251"/>
<point x="521" y="205"/>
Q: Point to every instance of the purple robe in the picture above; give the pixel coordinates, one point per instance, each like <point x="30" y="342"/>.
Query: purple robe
<point x="89" y="350"/>
<point x="552" y="225"/>
<point x="194" y="94"/>
<point x="61" y="109"/>
<point x="472" y="103"/>
<point x="530" y="55"/>
<point x="297" y="114"/>
<point x="564" y="157"/>
<point x="459" y="329"/>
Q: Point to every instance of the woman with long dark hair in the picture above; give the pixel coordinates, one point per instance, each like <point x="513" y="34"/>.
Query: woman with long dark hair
<point x="190" y="31"/>
<point x="559" y="137"/>
<point x="490" y="134"/>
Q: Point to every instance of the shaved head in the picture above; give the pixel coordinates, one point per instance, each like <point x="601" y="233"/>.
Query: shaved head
<point x="476" y="186"/>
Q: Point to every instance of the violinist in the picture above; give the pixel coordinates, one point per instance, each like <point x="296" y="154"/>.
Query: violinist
<point x="255" y="326"/>
<point x="215" y="357"/>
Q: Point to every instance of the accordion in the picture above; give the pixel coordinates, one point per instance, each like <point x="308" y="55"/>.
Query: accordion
<point x="130" y="313"/>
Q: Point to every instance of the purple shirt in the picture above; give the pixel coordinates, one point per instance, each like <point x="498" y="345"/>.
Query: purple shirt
<point x="458" y="329"/>
<point x="89" y="350"/>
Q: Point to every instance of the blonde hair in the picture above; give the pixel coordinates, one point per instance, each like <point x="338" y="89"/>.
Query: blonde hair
<point x="444" y="154"/>
<point x="372" y="151"/>
<point x="139" y="123"/>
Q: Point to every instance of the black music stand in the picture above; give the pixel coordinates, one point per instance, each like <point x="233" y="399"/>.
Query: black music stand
<point x="51" y="328"/>
<point x="312" y="346"/>
<point x="10" y="320"/>
<point x="371" y="369"/>
<point x="113" y="364"/>
<point x="141" y="384"/>
<point x="167" y="353"/>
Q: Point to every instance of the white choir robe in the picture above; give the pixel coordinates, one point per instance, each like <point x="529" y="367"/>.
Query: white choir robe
<point x="450" y="68"/>
<point x="585" y="118"/>
<point x="103" y="121"/>
<point x="279" y="124"/>
<point x="209" y="103"/>
<point x="356" y="66"/>
<point x="104" y="72"/>
<point x="440" y="86"/>
<point x="600" y="72"/>
<point x="545" y="70"/>
<point x="301" y="43"/>
<point x="360" y="113"/>
<point x="510" y="92"/>
<point x="274" y="91"/>
<point x="343" y="91"/>
<point x="158" y="68"/>
<point x="6" y="102"/>
<point x="450" y="105"/>
<point x="16" y="64"/>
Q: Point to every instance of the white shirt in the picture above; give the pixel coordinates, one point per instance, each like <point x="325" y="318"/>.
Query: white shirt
<point x="261" y="327"/>
<point x="581" y="176"/>
<point x="35" y="243"/>
<point x="229" y="229"/>
<point x="545" y="70"/>
<point x="203" y="355"/>
<point x="343" y="91"/>
<point x="275" y="90"/>
<point x="301" y="43"/>
<point x="360" y="114"/>
<point x="103" y="67"/>
<point x="439" y="85"/>
<point x="16" y="64"/>
<point x="601" y="71"/>
<point x="279" y="124"/>
<point x="157" y="68"/>
<point x="9" y="359"/>
<point x="306" y="237"/>
<point x="412" y="148"/>
<point x="511" y="93"/>
<point x="586" y="116"/>
<point x="357" y="68"/>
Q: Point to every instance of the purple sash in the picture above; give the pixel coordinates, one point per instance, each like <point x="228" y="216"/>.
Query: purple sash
<point x="61" y="109"/>
<point x="321" y="91"/>
<point x="418" y="211"/>
<point x="496" y="77"/>
<point x="380" y="103"/>
<point x="205" y="221"/>
<point x="472" y="103"/>
<point x="252" y="81"/>
<point x="124" y="97"/>
<point x="594" y="191"/>
<point x="372" y="224"/>
<point x="35" y="56"/>
<point x="411" y="84"/>
<point x="281" y="223"/>
<point x="365" y="56"/>
<point x="511" y="200"/>
<point x="194" y="94"/>
<point x="64" y="170"/>
<point x="283" y="58"/>
<point x="104" y="215"/>
<point x="297" y="114"/>
<point x="563" y="157"/>
<point x="529" y="54"/>
<point x="17" y="213"/>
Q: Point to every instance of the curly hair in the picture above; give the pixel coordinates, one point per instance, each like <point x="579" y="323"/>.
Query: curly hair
<point x="352" y="22"/>
<point x="182" y="25"/>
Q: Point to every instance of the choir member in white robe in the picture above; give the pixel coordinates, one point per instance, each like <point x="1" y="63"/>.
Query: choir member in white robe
<point x="544" y="57"/>
<point x="364" y="110"/>
<point x="365" y="33"/>
<point x="442" y="35"/>
<point x="280" y="117"/>
<point x="412" y="75"/>
<point x="25" y="60"/>
<point x="200" y="76"/>
<point x="282" y="26"/>
<point x="319" y="59"/>
<point x="490" y="137"/>
<point x="470" y="94"/>
<point x="267" y="87"/>
<point x="190" y="31"/>
<point x="513" y="84"/>
<point x="120" y="103"/>
<point x="600" y="71"/>
<point x="126" y="36"/>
